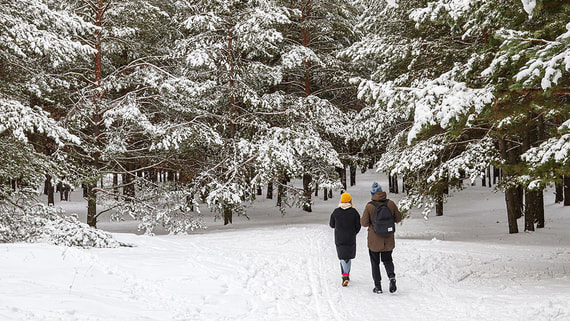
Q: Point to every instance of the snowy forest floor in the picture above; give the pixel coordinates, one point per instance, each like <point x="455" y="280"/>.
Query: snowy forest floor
<point x="461" y="266"/>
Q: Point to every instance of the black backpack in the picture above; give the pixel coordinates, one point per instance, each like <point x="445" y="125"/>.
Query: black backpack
<point x="383" y="221"/>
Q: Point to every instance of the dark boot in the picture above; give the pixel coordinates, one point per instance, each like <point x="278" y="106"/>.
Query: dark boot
<point x="377" y="289"/>
<point x="345" y="280"/>
<point x="392" y="285"/>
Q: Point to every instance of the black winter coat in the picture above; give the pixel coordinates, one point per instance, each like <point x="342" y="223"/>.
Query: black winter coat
<point x="346" y="224"/>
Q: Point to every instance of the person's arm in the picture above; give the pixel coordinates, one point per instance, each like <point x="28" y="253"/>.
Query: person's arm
<point x="365" y="219"/>
<point x="357" y="225"/>
<point x="332" y="220"/>
<point x="396" y="211"/>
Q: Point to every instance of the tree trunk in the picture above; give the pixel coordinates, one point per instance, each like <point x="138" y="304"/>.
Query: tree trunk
<point x="259" y="191"/>
<point x="342" y="173"/>
<point x="566" y="190"/>
<point x="59" y="189"/>
<point x="513" y="194"/>
<point x="91" y="205"/>
<point x="496" y="175"/>
<point x="330" y="193"/>
<point x="325" y="194"/>
<point x="66" y="190"/>
<point x="46" y="185"/>
<point x="352" y="175"/>
<point x="513" y="210"/>
<point x="395" y="184"/>
<point x="269" y="194"/>
<point x="49" y="189"/>
<point x="519" y="201"/>
<point x="540" y="209"/>
<point x="559" y="191"/>
<point x="534" y="209"/>
<point x="316" y="190"/>
<point x="439" y="206"/>
<point x="307" y="192"/>
<point x="90" y="188"/>
<point x="281" y="193"/>
<point x="227" y="213"/>
<point x="529" y="210"/>
<point x="116" y="186"/>
<point x="489" y="176"/>
<point x="128" y="182"/>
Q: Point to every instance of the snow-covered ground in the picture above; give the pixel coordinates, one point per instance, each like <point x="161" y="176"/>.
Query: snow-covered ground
<point x="462" y="266"/>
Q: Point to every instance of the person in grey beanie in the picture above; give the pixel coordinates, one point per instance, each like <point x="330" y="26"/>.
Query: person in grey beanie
<point x="380" y="247"/>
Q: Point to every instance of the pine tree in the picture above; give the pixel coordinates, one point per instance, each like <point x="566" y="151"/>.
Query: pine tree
<point x="316" y="82"/>
<point x="232" y="48"/>
<point x="38" y="43"/>
<point x="121" y="113"/>
<point x="476" y="95"/>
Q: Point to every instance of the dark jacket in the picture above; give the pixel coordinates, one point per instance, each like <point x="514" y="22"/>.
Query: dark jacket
<point x="346" y="224"/>
<point x="378" y="243"/>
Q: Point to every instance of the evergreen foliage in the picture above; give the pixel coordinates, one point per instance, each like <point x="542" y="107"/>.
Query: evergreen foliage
<point x="156" y="107"/>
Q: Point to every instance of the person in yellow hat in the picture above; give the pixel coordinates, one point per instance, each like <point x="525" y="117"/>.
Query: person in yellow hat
<point x="345" y="220"/>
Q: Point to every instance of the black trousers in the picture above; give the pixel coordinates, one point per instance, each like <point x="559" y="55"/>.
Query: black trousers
<point x="386" y="258"/>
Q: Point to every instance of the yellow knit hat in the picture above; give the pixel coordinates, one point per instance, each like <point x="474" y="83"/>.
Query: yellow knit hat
<point x="345" y="198"/>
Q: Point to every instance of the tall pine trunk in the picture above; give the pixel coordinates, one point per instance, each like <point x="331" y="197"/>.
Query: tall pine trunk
<point x="227" y="214"/>
<point x="269" y="194"/>
<point x="512" y="197"/>
<point x="307" y="192"/>
<point x="281" y="190"/>
<point x="529" y="211"/>
<point x="116" y="186"/>
<point x="540" y="209"/>
<point x="49" y="190"/>
<point x="342" y="174"/>
<point x="96" y="118"/>
<point x="566" y="190"/>
<point x="559" y="191"/>
<point x="91" y="205"/>
<point x="128" y="182"/>
<point x="534" y="209"/>
<point x="439" y="206"/>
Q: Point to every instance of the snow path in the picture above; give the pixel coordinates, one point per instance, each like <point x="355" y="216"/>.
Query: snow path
<point x="286" y="273"/>
<point x="461" y="266"/>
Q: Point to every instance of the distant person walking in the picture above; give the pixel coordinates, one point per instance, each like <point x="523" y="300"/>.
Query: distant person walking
<point x="380" y="246"/>
<point x="346" y="223"/>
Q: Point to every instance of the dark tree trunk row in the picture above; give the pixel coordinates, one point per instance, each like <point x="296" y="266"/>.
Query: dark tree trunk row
<point x="393" y="184"/>
<point x="342" y="173"/>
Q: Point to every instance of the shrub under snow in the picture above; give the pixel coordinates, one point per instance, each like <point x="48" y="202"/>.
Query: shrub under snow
<point x="41" y="223"/>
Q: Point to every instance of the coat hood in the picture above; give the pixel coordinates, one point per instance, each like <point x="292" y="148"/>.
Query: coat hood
<point x="379" y="196"/>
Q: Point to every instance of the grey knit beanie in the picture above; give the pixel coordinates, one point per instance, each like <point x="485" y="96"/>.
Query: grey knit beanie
<point x="375" y="188"/>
